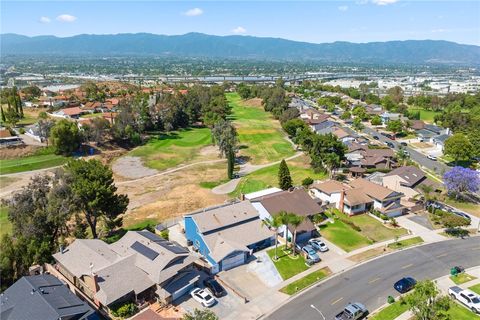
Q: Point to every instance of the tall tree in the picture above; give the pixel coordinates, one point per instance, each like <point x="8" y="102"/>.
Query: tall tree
<point x="284" y="178"/>
<point x="395" y="126"/>
<point x="200" y="314"/>
<point x="461" y="180"/>
<point x="284" y="219"/>
<point x="274" y="223"/>
<point x="224" y="135"/>
<point x="426" y="303"/>
<point x="458" y="147"/>
<point x="65" y="137"/>
<point x="295" y="221"/>
<point x="92" y="183"/>
<point x="327" y="152"/>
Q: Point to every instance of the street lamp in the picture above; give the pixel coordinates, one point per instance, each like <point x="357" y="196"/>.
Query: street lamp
<point x="320" y="312"/>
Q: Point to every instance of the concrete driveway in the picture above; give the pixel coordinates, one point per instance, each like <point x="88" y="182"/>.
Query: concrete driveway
<point x="222" y="308"/>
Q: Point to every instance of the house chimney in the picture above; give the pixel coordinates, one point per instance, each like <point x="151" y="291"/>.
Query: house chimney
<point x="342" y="200"/>
<point x="95" y="282"/>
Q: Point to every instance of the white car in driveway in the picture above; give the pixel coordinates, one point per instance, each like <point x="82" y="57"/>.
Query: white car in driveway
<point x="432" y="157"/>
<point x="318" y="244"/>
<point x="203" y="296"/>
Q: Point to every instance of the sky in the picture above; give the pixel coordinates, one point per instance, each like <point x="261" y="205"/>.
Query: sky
<point x="310" y="21"/>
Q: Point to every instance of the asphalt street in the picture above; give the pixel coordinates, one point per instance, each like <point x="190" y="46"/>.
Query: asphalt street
<point x="371" y="283"/>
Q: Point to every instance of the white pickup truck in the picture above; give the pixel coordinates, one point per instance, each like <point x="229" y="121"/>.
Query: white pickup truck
<point x="466" y="297"/>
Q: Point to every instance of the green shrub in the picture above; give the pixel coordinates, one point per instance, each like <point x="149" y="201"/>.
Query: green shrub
<point x="21" y="130"/>
<point x="390" y="299"/>
<point x="164" y="234"/>
<point x="351" y="224"/>
<point x="124" y="311"/>
<point x="307" y="181"/>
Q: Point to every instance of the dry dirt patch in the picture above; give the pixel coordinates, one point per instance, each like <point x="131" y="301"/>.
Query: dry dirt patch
<point x="254" y="102"/>
<point x="131" y="168"/>
<point x="173" y="194"/>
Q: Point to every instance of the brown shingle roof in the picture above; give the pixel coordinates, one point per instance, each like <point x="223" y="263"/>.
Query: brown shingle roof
<point x="330" y="186"/>
<point x="411" y="174"/>
<point x="354" y="197"/>
<point x="5" y="133"/>
<point x="373" y="190"/>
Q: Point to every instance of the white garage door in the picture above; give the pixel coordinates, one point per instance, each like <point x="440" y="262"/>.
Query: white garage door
<point x="179" y="293"/>
<point x="232" y="262"/>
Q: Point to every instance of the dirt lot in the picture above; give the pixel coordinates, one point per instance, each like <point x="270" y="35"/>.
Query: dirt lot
<point x="422" y="145"/>
<point x="254" y="102"/>
<point x="173" y="194"/>
<point x="17" y="151"/>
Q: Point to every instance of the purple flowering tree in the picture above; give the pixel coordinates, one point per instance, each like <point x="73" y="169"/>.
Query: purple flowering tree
<point x="460" y="180"/>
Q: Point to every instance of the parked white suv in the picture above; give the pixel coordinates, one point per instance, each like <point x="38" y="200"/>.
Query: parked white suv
<point x="466" y="297"/>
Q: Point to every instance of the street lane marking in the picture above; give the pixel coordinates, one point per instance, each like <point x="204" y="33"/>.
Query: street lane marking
<point x="407" y="266"/>
<point x="442" y="255"/>
<point x="374" y="280"/>
<point x="336" y="301"/>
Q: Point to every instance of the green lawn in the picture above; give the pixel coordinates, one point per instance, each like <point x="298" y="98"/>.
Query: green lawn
<point x="475" y="288"/>
<point x="462" y="278"/>
<point x="286" y="265"/>
<point x="268" y="176"/>
<point x="212" y="184"/>
<point x="91" y="115"/>
<point x="458" y="312"/>
<point x="33" y="162"/>
<point x="306" y="281"/>
<point x="344" y="236"/>
<point x="5" y="226"/>
<point x="391" y="312"/>
<point x="465" y="206"/>
<point x="374" y="229"/>
<point x="260" y="136"/>
<point x="425" y="115"/>
<point x="405" y="243"/>
<point x="172" y="149"/>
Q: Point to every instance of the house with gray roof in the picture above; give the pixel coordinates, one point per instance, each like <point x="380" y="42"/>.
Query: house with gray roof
<point x="228" y="234"/>
<point x="139" y="267"/>
<point x="42" y="297"/>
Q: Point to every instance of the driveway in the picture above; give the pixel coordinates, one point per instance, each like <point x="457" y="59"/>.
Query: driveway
<point x="422" y="219"/>
<point x="222" y="308"/>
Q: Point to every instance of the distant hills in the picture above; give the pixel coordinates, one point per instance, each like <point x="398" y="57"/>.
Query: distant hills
<point x="244" y="47"/>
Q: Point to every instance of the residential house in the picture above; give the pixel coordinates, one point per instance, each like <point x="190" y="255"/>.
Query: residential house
<point x="7" y="139"/>
<point x="431" y="132"/>
<point x="42" y="297"/>
<point x="342" y="196"/>
<point x="404" y="180"/>
<point x="439" y="141"/>
<point x="69" y="113"/>
<point x="365" y="157"/>
<point x="227" y="235"/>
<point x="374" y="110"/>
<point x="33" y="131"/>
<point x="139" y="267"/>
<point x="385" y="200"/>
<point x="296" y="201"/>
<point x="387" y="116"/>
<point x="417" y="125"/>
<point x="92" y="106"/>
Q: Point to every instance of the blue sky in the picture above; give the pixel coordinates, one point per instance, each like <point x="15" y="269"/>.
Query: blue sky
<point x="312" y="21"/>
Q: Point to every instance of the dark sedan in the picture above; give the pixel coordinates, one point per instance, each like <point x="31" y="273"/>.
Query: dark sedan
<point x="215" y="287"/>
<point x="405" y="284"/>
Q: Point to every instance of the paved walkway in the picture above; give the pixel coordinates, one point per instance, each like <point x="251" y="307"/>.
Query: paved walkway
<point x="245" y="169"/>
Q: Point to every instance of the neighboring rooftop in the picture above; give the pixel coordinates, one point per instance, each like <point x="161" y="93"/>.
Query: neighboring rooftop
<point x="330" y="186"/>
<point x="42" y="297"/>
<point x="373" y="190"/>
<point x="410" y="174"/>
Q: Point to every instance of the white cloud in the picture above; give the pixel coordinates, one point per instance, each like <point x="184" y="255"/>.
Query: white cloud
<point x="239" y="30"/>
<point x="193" y="12"/>
<point x="45" y="20"/>
<point x="343" y="8"/>
<point x="66" y="18"/>
<point x="383" y="2"/>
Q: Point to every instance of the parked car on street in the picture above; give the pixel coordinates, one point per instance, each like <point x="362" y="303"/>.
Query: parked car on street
<point x="405" y="284"/>
<point x="376" y="137"/>
<point x="203" y="296"/>
<point x="353" y="311"/>
<point x="390" y="145"/>
<point x="318" y="244"/>
<point x="433" y="158"/>
<point x="214" y="287"/>
<point x="310" y="253"/>
<point x="403" y="143"/>
<point x="466" y="297"/>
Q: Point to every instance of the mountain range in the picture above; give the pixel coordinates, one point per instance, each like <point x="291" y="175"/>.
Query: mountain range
<point x="244" y="47"/>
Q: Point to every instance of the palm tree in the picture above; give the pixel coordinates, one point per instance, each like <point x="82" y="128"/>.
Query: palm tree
<point x="284" y="219"/>
<point x="273" y="223"/>
<point x="295" y="221"/>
